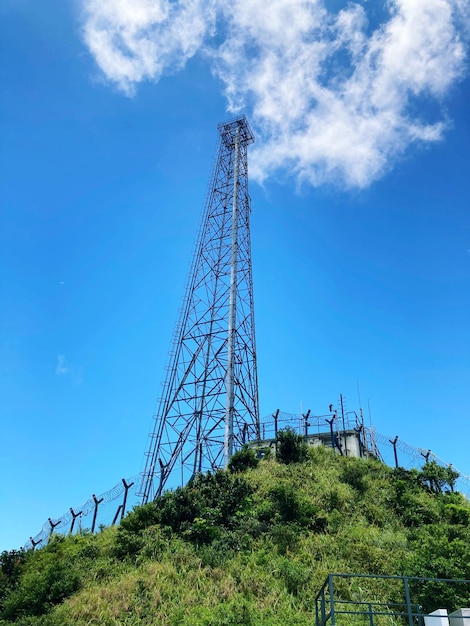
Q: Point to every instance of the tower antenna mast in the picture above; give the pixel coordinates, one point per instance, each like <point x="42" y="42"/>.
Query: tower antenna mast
<point x="209" y="404"/>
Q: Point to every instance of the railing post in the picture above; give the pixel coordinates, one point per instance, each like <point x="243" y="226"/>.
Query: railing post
<point x="323" y="608"/>
<point x="408" y="600"/>
<point x="332" y="600"/>
<point x="419" y="615"/>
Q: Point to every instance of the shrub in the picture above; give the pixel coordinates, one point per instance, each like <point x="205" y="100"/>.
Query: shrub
<point x="243" y="459"/>
<point x="441" y="551"/>
<point x="355" y="474"/>
<point x="289" y="506"/>
<point x="290" y="447"/>
<point x="140" y="518"/>
<point x="11" y="566"/>
<point x="436" y="477"/>
<point x="456" y="514"/>
<point x="40" y="589"/>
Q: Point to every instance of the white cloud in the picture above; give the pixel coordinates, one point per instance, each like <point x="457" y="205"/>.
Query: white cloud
<point x="330" y="98"/>
<point x="61" y="367"/>
<point x="136" y="40"/>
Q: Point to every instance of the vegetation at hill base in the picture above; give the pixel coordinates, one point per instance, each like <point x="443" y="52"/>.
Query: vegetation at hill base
<point x="252" y="546"/>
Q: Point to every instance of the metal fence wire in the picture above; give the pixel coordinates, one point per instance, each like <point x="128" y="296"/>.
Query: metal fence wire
<point x="108" y="508"/>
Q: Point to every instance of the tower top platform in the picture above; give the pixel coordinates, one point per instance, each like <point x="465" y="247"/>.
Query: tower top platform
<point x="227" y="130"/>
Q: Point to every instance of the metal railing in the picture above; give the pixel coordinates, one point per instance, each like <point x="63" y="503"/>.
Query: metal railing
<point x="375" y="600"/>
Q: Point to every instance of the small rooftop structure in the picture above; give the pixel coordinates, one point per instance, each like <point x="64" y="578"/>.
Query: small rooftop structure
<point x="346" y="433"/>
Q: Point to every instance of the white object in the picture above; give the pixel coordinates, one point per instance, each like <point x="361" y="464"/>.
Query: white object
<point x="437" y="618"/>
<point x="460" y="618"/>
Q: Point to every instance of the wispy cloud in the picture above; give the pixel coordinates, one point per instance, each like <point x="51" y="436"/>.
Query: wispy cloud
<point x="61" y="367"/>
<point x="332" y="99"/>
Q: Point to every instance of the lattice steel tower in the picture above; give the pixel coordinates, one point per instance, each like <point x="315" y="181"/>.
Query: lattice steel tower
<point x="209" y="404"/>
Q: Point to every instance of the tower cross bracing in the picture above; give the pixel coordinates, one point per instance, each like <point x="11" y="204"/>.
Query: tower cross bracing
<point x="209" y="405"/>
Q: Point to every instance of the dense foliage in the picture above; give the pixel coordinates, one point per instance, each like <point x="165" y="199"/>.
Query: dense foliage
<point x="291" y="447"/>
<point x="250" y="546"/>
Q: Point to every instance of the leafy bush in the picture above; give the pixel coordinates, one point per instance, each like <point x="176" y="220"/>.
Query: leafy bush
<point x="437" y="477"/>
<point x="11" y="566"/>
<point x="41" y="588"/>
<point x="197" y="512"/>
<point x="214" y="497"/>
<point x="139" y="518"/>
<point x="457" y="514"/>
<point x="290" y="506"/>
<point x="290" y="447"/>
<point x="296" y="576"/>
<point x="355" y="473"/>
<point x="243" y="459"/>
<point x="285" y="537"/>
<point x="440" y="551"/>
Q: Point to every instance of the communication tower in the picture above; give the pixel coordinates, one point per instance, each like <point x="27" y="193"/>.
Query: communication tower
<point x="209" y="405"/>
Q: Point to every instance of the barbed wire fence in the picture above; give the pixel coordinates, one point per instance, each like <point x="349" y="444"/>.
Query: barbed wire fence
<point x="410" y="457"/>
<point x="109" y="508"/>
<point x="96" y="512"/>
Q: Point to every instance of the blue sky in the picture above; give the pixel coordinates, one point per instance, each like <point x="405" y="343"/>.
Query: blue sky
<point x="360" y="225"/>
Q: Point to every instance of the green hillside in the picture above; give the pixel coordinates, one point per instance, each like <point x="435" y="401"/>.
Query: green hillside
<point x="250" y="546"/>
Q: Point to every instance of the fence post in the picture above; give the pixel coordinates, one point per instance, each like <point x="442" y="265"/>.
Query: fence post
<point x="126" y="489"/>
<point x="306" y="425"/>
<point x="330" y="422"/>
<point x="344" y="427"/>
<point x="97" y="503"/>
<point x="119" y="509"/>
<point x="35" y="543"/>
<point x="394" y="444"/>
<point x="52" y="525"/>
<point x="338" y="445"/>
<point x="74" y="517"/>
<point x="426" y="456"/>
<point x="359" y="430"/>
<point x="276" y="415"/>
